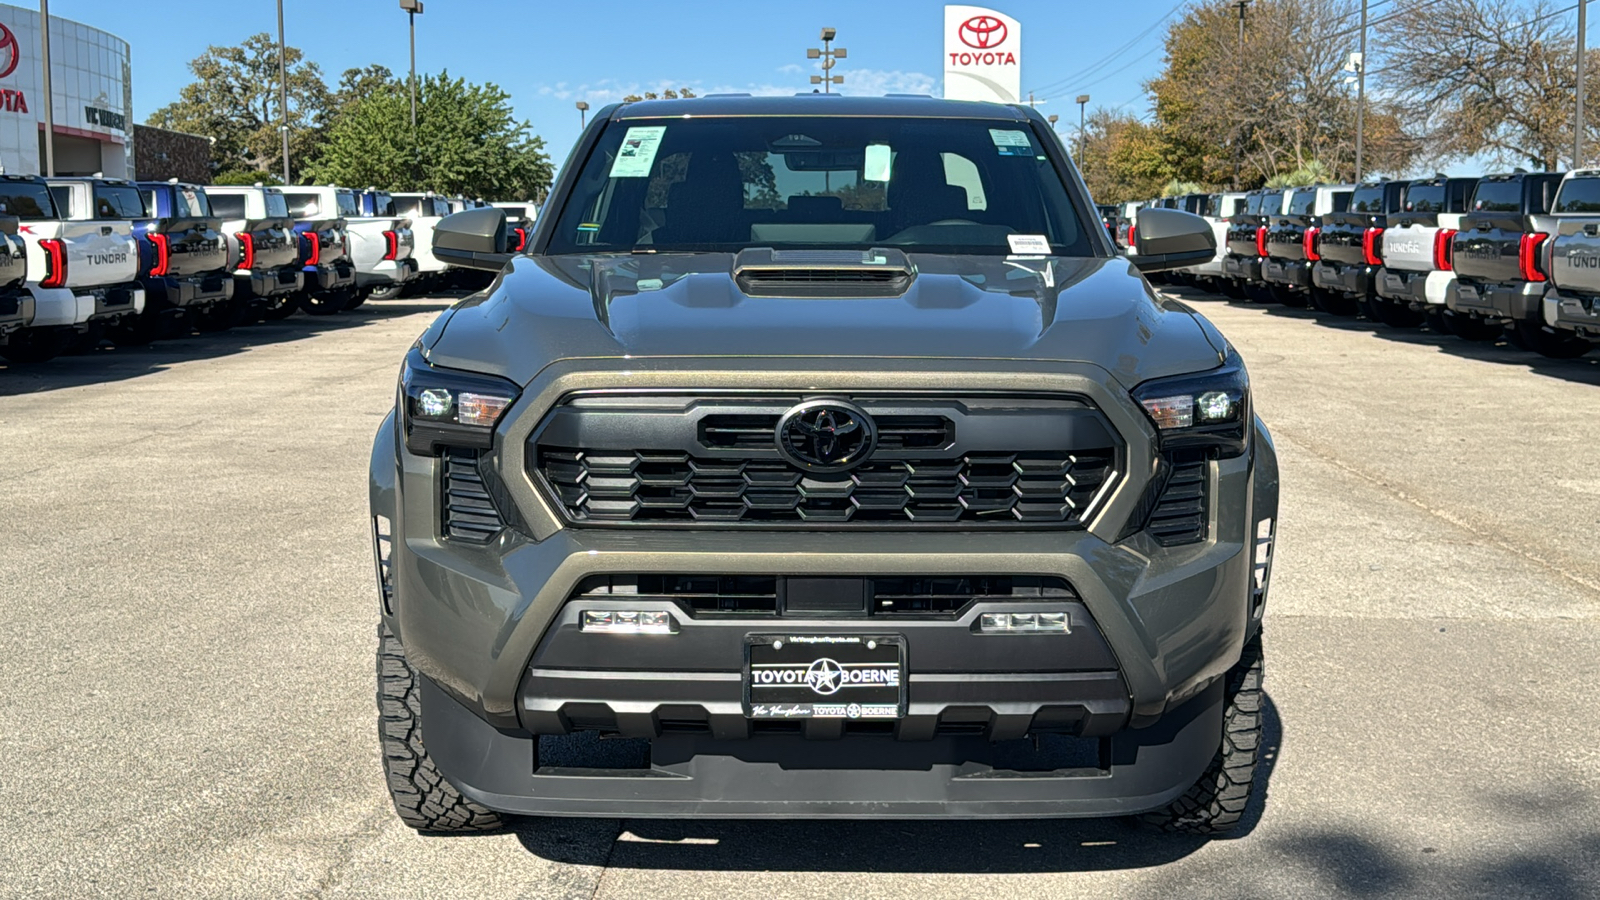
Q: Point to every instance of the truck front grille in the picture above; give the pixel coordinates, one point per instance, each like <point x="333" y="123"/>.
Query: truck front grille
<point x="893" y="595"/>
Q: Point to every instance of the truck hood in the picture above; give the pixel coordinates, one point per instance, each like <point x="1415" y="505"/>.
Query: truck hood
<point x="1096" y="311"/>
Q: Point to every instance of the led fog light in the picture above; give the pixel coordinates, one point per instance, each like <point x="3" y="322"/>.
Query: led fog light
<point x="627" y="621"/>
<point x="1024" y="623"/>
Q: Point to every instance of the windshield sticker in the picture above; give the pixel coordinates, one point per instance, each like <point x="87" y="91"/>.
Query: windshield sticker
<point x="875" y="166"/>
<point x="589" y="226"/>
<point x="1029" y="244"/>
<point x="638" y="154"/>
<point x="1011" y="143"/>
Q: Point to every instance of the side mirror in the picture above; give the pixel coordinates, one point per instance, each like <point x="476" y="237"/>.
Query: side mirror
<point x="1171" y="239"/>
<point x="473" y="239"/>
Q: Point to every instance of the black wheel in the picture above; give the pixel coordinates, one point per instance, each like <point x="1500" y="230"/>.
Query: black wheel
<point x="1396" y="314"/>
<point x="1469" y="329"/>
<point x="1333" y="303"/>
<point x="1434" y="319"/>
<point x="1216" y="802"/>
<point x="324" y="304"/>
<point x="1550" y="342"/>
<point x="356" y="298"/>
<point x="1231" y="288"/>
<point x="280" y="307"/>
<point x="422" y="797"/>
<point x="37" y="345"/>
<point x="139" y="330"/>
<point x="1288" y="296"/>
<point x="219" y="316"/>
<point x="387" y="292"/>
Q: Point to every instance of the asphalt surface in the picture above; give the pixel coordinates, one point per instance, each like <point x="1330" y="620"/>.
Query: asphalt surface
<point x="186" y="673"/>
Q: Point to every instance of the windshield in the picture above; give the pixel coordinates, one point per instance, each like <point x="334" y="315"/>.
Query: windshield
<point x="1302" y="202"/>
<point x="118" y="201"/>
<point x="930" y="185"/>
<point x="1579" y="195"/>
<point x="1425" y="198"/>
<point x="190" y="201"/>
<point x="1368" y="200"/>
<point x="1498" y="196"/>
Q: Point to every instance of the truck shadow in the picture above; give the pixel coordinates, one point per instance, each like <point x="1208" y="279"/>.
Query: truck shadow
<point x="108" y="364"/>
<point x="1584" y="370"/>
<point x="898" y="846"/>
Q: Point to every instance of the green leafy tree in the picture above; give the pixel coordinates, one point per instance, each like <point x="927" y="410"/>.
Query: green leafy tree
<point x="668" y="94"/>
<point x="242" y="177"/>
<point x="1122" y="158"/>
<point x="234" y="98"/>
<point x="467" y="141"/>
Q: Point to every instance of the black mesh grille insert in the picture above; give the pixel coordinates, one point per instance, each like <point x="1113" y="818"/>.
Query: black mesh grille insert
<point x="1180" y="515"/>
<point x="469" y="512"/>
<point x="892" y="595"/>
<point x="622" y="486"/>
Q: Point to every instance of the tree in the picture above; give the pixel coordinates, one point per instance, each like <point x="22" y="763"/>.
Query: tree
<point x="1481" y="77"/>
<point x="668" y="94"/>
<point x="234" y="98"/>
<point x="466" y="142"/>
<point x="355" y="84"/>
<point x="1122" y="158"/>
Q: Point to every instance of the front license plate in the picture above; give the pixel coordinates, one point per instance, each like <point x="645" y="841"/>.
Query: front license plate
<point x="824" y="676"/>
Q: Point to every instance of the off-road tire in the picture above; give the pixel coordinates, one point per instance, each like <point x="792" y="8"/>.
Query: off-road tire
<point x="1216" y="803"/>
<point x="1469" y="329"/>
<point x="356" y="298"/>
<point x="28" y="346"/>
<point x="1395" y="314"/>
<point x="422" y="797"/>
<point x="279" y="308"/>
<point x="386" y="292"/>
<point x="324" y="304"/>
<point x="1550" y="342"/>
<point x="1334" y="303"/>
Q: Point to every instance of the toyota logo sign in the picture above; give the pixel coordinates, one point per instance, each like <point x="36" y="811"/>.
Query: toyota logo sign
<point x="982" y="32"/>
<point x="8" y="52"/>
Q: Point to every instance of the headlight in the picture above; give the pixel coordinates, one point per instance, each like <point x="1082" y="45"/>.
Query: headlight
<point x="1210" y="410"/>
<point x="449" y="408"/>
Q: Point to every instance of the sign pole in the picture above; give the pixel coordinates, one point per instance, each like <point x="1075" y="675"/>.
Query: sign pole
<point x="49" y="95"/>
<point x="283" y="94"/>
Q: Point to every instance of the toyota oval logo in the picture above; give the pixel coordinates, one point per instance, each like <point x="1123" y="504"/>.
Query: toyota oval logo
<point x="826" y="436"/>
<point x="982" y="32"/>
<point x="8" y="52"/>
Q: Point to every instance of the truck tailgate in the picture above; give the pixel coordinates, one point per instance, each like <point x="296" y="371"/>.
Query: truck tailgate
<point x="1408" y="243"/>
<point x="1485" y="250"/>
<point x="1286" y="237"/>
<point x="194" y="245"/>
<point x="1342" y="238"/>
<point x="1575" y="257"/>
<point x="1242" y="236"/>
<point x="100" y="253"/>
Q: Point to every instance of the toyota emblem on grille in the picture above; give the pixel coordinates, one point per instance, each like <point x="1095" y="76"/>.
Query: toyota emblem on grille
<point x="826" y="436"/>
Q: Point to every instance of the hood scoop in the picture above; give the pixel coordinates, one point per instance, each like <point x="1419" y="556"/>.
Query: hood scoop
<point x="764" y="272"/>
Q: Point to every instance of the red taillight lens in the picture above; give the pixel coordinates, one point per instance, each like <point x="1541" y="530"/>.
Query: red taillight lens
<point x="1443" y="259"/>
<point x="1528" y="256"/>
<point x="344" y="244"/>
<point x="1372" y="246"/>
<point x="1309" y="242"/>
<point x="247" y="250"/>
<point x="391" y="245"/>
<point x="522" y="239"/>
<point x="313" y="254"/>
<point x="1261" y="241"/>
<point x="163" y="254"/>
<point x="1133" y="238"/>
<point x="55" y="263"/>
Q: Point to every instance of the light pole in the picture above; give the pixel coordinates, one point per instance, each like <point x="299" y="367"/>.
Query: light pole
<point x="828" y="54"/>
<point x="1361" y="89"/>
<point x="49" y="97"/>
<point x="283" y="94"/>
<point x="1083" y="100"/>
<point x="1052" y="119"/>
<point x="413" y="8"/>
<point x="1577" y="125"/>
<point x="583" y="114"/>
<point x="1238" y="60"/>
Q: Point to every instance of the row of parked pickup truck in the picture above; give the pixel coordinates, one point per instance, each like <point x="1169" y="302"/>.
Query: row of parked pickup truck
<point x="84" y="260"/>
<point x="1514" y="254"/>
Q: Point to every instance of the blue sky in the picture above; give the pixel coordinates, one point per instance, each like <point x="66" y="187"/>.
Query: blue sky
<point x="548" y="55"/>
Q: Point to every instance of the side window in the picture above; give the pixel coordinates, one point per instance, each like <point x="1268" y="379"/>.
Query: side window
<point x="228" y="206"/>
<point x="62" y="195"/>
<point x="303" y="206"/>
<point x="150" y="202"/>
<point x="963" y="173"/>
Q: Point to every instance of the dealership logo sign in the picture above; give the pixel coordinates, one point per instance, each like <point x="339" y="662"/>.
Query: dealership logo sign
<point x="982" y="32"/>
<point x="9" y="54"/>
<point x="983" y="55"/>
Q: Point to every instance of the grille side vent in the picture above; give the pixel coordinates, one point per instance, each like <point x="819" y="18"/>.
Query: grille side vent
<point x="1180" y="516"/>
<point x="469" y="511"/>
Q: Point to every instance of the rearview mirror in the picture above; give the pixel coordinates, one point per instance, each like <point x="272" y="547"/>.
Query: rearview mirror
<point x="473" y="239"/>
<point x="1171" y="239"/>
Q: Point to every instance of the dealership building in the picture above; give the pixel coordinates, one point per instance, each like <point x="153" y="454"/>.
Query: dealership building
<point x="93" y="87"/>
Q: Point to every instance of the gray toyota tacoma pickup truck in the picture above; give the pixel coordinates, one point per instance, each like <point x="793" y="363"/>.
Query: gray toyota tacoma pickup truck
<point x="821" y="457"/>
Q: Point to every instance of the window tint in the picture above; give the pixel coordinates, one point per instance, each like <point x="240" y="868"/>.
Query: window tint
<point x="149" y="197"/>
<point x="1424" y="198"/>
<point x="62" y="195"/>
<point x="1497" y="196"/>
<point x="303" y="206"/>
<point x="347" y="204"/>
<point x="227" y="206"/>
<point x="118" y="201"/>
<point x="382" y="205"/>
<point x="1579" y="195"/>
<point x="277" y="205"/>
<point x="27" y="200"/>
<point x="440" y="207"/>
<point x="1302" y="201"/>
<point x="950" y="186"/>
<point x="1367" y="200"/>
<point x="191" y="201"/>
<point x="515" y="212"/>
<point x="1341" y="201"/>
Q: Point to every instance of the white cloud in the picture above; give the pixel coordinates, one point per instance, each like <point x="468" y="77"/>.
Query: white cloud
<point x="858" y="82"/>
<point x="791" y="69"/>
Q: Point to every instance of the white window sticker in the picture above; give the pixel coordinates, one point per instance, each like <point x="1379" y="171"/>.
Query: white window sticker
<point x="1011" y="143"/>
<point x="1029" y="244"/>
<point x="875" y="166"/>
<point x="637" y="155"/>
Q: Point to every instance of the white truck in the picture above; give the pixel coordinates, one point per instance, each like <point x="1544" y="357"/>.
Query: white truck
<point x="1417" y="266"/>
<point x="82" y="276"/>
<point x="425" y="210"/>
<point x="380" y="241"/>
<point x="1220" y="208"/>
<point x="263" y="250"/>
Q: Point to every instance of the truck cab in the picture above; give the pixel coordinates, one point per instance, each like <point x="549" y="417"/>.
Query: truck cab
<point x="1570" y="324"/>
<point x="1219" y="209"/>
<point x="1287" y="268"/>
<point x="321" y="217"/>
<point x="1347" y="253"/>
<point x="1498" y="253"/>
<point x="263" y="249"/>
<point x="1247" y="236"/>
<point x="183" y="259"/>
<point x="425" y="210"/>
<point x="380" y="240"/>
<point x="83" y="269"/>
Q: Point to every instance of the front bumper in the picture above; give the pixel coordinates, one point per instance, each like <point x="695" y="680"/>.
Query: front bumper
<point x="491" y="627"/>
<point x="1295" y="273"/>
<point x="1342" y="278"/>
<point x="1505" y="302"/>
<point x="331" y="277"/>
<point x="189" y="290"/>
<point x="1244" y="268"/>
<point x="387" y="272"/>
<point x="263" y="283"/>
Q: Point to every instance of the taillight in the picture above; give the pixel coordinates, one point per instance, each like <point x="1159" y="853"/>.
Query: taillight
<point x="55" y="263"/>
<point x="344" y="243"/>
<point x="247" y="250"/>
<point x="314" y="252"/>
<point x="1443" y="260"/>
<point x="522" y="239"/>
<point x="391" y="245"/>
<point x="163" y="254"/>
<point x="1372" y="246"/>
<point x="1528" y="256"/>
<point x="1309" y="242"/>
<point x="1133" y="239"/>
<point x="1261" y="240"/>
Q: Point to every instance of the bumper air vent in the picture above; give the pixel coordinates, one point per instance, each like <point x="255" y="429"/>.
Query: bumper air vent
<point x="1180" y="516"/>
<point x="904" y="595"/>
<point x="469" y="511"/>
<point x="762" y="272"/>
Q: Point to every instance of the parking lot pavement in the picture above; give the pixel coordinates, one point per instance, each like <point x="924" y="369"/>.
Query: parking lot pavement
<point x="186" y="687"/>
